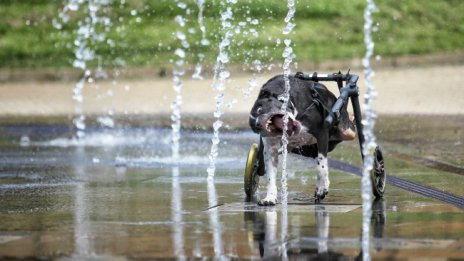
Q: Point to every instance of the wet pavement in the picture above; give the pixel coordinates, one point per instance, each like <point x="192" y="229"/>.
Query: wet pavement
<point x="118" y="195"/>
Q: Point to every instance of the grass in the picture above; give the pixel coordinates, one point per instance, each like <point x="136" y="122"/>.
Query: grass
<point x="142" y="31"/>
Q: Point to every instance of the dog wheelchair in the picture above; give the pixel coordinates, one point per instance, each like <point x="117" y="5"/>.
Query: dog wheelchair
<point x="350" y="91"/>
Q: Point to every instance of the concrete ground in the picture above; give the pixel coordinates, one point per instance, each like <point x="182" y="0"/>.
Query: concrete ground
<point x="117" y="194"/>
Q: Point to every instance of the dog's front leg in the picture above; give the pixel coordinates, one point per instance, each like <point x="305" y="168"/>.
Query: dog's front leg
<point x="271" y="161"/>
<point x="323" y="182"/>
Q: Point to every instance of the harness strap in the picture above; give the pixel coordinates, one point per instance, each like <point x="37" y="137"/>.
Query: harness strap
<point x="327" y="111"/>
<point x="309" y="107"/>
<point x="321" y="105"/>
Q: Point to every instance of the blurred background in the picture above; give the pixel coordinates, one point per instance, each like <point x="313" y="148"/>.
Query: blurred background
<point x="139" y="34"/>
<point x="127" y="44"/>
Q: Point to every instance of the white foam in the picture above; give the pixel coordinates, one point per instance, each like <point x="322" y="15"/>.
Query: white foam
<point x="182" y="161"/>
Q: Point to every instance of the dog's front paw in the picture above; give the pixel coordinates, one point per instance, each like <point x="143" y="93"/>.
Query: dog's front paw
<point x="320" y="194"/>
<point x="268" y="201"/>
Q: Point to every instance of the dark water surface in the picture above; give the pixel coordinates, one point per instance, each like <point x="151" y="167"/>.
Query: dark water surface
<point x="118" y="194"/>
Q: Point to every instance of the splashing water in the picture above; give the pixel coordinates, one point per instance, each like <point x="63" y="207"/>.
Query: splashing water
<point x="204" y="41"/>
<point x="214" y="220"/>
<point x="87" y="35"/>
<point x="106" y="120"/>
<point x="368" y="128"/>
<point x="288" y="55"/>
<point x="220" y="75"/>
<point x="176" y="215"/>
<point x="178" y="72"/>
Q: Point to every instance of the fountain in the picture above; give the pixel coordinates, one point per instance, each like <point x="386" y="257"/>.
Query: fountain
<point x="214" y="220"/>
<point x="87" y="35"/>
<point x="204" y="41"/>
<point x="368" y="130"/>
<point x="176" y="213"/>
<point x="288" y="55"/>
<point x="220" y="75"/>
<point x="178" y="72"/>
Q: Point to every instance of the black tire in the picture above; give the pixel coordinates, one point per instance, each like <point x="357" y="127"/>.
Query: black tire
<point x="251" y="177"/>
<point x="378" y="174"/>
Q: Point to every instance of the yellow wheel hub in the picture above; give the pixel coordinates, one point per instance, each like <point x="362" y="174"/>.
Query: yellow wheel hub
<point x="251" y="177"/>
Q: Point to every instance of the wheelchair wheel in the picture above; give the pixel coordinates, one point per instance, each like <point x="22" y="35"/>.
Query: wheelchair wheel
<point x="378" y="175"/>
<point x="251" y="178"/>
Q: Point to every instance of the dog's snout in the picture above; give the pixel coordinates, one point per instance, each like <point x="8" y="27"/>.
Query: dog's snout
<point x="254" y="123"/>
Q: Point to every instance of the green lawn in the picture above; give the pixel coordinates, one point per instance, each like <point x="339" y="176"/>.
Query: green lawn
<point x="142" y="31"/>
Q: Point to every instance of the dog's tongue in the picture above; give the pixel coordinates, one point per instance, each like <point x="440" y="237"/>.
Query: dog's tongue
<point x="279" y="123"/>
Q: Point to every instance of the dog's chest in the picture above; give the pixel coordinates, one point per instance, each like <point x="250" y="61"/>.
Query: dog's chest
<point x="304" y="138"/>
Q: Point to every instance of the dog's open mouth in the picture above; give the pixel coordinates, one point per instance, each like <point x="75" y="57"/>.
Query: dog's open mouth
<point x="274" y="124"/>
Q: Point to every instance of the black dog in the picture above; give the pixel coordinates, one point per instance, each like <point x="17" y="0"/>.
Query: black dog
<point x="309" y="103"/>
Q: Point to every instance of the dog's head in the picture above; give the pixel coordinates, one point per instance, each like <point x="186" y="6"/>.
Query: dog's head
<point x="266" y="117"/>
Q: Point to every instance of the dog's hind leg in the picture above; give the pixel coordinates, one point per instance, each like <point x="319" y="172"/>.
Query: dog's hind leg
<point x="347" y="129"/>
<point x="323" y="182"/>
<point x="271" y="160"/>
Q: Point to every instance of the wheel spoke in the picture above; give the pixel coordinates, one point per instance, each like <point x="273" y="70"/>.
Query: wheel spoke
<point x="378" y="174"/>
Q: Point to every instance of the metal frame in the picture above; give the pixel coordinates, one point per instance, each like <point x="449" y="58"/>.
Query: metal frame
<point x="350" y="90"/>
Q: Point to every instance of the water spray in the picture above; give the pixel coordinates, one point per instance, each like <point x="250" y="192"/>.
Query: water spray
<point x="219" y="78"/>
<point x="86" y="36"/>
<point x="369" y="144"/>
<point x="204" y="41"/>
<point x="178" y="72"/>
<point x="288" y="55"/>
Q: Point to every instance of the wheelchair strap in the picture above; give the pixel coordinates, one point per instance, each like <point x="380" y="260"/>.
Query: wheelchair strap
<point x="321" y="105"/>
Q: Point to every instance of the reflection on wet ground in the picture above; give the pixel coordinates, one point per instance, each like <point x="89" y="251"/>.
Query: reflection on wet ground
<point x="120" y="196"/>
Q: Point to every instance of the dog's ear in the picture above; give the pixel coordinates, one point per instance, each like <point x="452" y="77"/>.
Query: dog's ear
<point x="264" y="94"/>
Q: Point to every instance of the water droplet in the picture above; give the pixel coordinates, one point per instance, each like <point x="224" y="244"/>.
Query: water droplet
<point x="217" y="125"/>
<point x="181" y="36"/>
<point x="287" y="42"/>
<point x="223" y="58"/>
<point x="180" y="52"/>
<point x="106" y="121"/>
<point x="288" y="51"/>
<point x="288" y="29"/>
<point x="24" y="141"/>
<point x="224" y="74"/>
<point x="180" y="20"/>
<point x="182" y="5"/>
<point x="73" y="6"/>
<point x="205" y="42"/>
